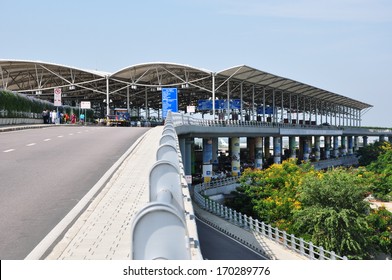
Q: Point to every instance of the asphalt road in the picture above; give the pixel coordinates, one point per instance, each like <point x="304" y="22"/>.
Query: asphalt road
<point x="215" y="245"/>
<point x="45" y="172"/>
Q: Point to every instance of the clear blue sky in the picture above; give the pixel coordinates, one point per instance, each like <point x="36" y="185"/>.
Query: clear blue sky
<point x="344" y="46"/>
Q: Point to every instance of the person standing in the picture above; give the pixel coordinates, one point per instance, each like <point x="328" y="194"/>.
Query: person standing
<point x="81" y="118"/>
<point x="53" y="116"/>
<point x="73" y="118"/>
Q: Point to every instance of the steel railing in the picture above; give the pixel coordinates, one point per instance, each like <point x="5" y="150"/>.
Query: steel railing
<point x="165" y="228"/>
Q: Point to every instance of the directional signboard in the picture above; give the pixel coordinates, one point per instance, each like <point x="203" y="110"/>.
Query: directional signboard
<point x="85" y="105"/>
<point x="169" y="101"/>
<point x="57" y="97"/>
<point x="221" y="104"/>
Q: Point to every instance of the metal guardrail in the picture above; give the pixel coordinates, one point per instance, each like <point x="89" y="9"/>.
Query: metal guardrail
<point x="165" y="228"/>
<point x="180" y="119"/>
<point x="341" y="161"/>
<point x="298" y="245"/>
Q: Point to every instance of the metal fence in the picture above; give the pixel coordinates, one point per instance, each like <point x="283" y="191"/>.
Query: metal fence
<point x="181" y="119"/>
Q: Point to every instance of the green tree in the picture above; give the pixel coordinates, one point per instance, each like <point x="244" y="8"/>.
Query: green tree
<point x="333" y="213"/>
<point x="370" y="153"/>
<point x="270" y="195"/>
<point x="382" y="169"/>
<point x="380" y="221"/>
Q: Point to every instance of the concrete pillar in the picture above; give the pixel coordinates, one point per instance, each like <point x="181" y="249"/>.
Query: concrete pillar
<point x="277" y="150"/>
<point x="207" y="159"/>
<point x="365" y="141"/>
<point x="250" y="145"/>
<point x="327" y="147"/>
<point x="306" y="147"/>
<point x="215" y="151"/>
<point x="267" y="147"/>
<point x="350" y="150"/>
<point x="356" y="146"/>
<point x="259" y="152"/>
<point x="235" y="156"/>
<point x="187" y="157"/>
<point x="292" y="147"/>
<point x="382" y="138"/>
<point x="336" y="146"/>
<point x="181" y="142"/>
<point x="343" y="145"/>
<point x="301" y="148"/>
<point x="317" y="147"/>
<point x="390" y="139"/>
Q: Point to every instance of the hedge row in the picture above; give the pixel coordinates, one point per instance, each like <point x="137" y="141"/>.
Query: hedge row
<point x="17" y="105"/>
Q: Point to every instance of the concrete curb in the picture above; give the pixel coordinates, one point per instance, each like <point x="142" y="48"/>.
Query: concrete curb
<point x="22" y="127"/>
<point x="50" y="239"/>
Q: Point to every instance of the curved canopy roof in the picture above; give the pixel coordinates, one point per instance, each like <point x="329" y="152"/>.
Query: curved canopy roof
<point x="161" y="74"/>
<point x="264" y="79"/>
<point x="145" y="80"/>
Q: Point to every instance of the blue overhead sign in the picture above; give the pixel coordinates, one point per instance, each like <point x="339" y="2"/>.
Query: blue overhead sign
<point x="268" y="110"/>
<point x="169" y="101"/>
<point x="221" y="104"/>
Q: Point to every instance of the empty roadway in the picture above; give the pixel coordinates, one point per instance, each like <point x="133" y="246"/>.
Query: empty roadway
<point x="45" y="172"/>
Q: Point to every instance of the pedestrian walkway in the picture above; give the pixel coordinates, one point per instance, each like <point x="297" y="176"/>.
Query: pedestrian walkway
<point x="377" y="204"/>
<point x="102" y="232"/>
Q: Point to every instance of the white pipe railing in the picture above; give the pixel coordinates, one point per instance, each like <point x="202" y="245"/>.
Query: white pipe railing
<point x="165" y="228"/>
<point x="181" y="119"/>
<point x="289" y="241"/>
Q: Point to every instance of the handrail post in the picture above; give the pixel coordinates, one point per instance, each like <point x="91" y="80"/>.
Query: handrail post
<point x="311" y="250"/>
<point x="257" y="225"/>
<point x="301" y="247"/>
<point x="285" y="238"/>
<point x="321" y="254"/>
<point x="293" y="245"/>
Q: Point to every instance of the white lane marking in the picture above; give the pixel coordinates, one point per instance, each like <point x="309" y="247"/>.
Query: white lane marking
<point x="10" y="150"/>
<point x="71" y="134"/>
<point x="60" y="136"/>
<point x="79" y="132"/>
<point x="31" y="144"/>
<point x="47" y="139"/>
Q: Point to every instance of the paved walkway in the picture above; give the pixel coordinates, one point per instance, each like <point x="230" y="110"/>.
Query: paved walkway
<point x="378" y="204"/>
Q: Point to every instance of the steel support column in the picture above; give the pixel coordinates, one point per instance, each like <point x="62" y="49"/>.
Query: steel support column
<point x="107" y="97"/>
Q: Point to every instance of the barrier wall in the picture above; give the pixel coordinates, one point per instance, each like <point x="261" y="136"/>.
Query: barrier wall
<point x="166" y="228"/>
